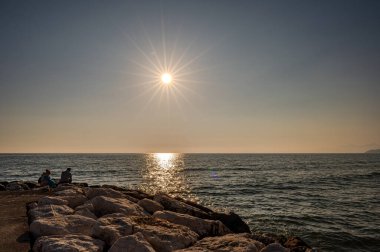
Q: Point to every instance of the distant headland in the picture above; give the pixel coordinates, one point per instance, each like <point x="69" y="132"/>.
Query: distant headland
<point x="373" y="151"/>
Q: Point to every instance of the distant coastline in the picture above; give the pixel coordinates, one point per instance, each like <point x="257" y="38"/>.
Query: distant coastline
<point x="377" y="151"/>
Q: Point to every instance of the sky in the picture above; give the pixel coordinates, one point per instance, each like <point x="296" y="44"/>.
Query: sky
<point x="248" y="76"/>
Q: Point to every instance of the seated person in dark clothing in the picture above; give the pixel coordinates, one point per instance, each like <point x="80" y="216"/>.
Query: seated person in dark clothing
<point x="45" y="179"/>
<point x="66" y="176"/>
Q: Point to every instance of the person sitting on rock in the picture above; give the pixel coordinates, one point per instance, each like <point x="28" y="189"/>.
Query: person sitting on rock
<point x="40" y="178"/>
<point x="66" y="176"/>
<point x="45" y="179"/>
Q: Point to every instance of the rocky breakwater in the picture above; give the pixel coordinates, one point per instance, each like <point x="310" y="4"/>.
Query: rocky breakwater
<point x="77" y="218"/>
<point x="18" y="185"/>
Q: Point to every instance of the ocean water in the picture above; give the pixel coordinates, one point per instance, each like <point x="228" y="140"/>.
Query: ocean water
<point x="332" y="201"/>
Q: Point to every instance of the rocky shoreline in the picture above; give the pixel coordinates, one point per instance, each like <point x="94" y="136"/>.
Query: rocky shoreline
<point x="78" y="217"/>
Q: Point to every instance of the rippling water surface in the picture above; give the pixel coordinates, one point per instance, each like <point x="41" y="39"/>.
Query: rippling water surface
<point x="331" y="200"/>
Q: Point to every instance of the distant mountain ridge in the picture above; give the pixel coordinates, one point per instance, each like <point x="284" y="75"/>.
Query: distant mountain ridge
<point x="373" y="151"/>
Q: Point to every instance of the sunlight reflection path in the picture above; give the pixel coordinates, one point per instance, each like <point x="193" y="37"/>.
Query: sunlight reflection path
<point x="164" y="172"/>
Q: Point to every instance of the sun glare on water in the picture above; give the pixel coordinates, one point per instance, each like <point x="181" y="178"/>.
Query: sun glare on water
<point x="165" y="160"/>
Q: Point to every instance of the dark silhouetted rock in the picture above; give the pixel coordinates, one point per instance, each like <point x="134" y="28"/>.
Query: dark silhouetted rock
<point x="80" y="184"/>
<point x="268" y="238"/>
<point x="16" y="186"/>
<point x="275" y="247"/>
<point x="293" y="242"/>
<point x="113" y="187"/>
<point x="4" y="183"/>
<point x="31" y="184"/>
<point x="130" y="198"/>
<point x="232" y="221"/>
<point x="302" y="249"/>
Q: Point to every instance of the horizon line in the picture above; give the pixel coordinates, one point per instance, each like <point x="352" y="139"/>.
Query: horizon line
<point x="5" y="153"/>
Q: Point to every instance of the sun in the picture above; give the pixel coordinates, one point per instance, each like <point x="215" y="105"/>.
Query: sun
<point x="166" y="78"/>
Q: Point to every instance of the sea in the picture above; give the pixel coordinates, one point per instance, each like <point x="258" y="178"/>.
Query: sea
<point x="332" y="201"/>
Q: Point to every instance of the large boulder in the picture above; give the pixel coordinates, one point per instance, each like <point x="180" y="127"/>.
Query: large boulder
<point x="74" y="200"/>
<point x="180" y="207"/>
<point x="4" y="183"/>
<point x="87" y="213"/>
<point x="106" y="205"/>
<point x="62" y="224"/>
<point x="110" y="228"/>
<point x="31" y="184"/>
<point x="68" y="189"/>
<point x="134" y="242"/>
<point x="87" y="209"/>
<point x="80" y="184"/>
<point x="71" y="200"/>
<point x="275" y="247"/>
<point x="161" y="234"/>
<point x="226" y="243"/>
<point x="268" y="238"/>
<point x="45" y="211"/>
<point x="137" y="194"/>
<point x="130" y="198"/>
<point x="196" y="205"/>
<point x="16" y="186"/>
<point x="48" y="200"/>
<point x="232" y="221"/>
<point x="94" y="192"/>
<point x="201" y="226"/>
<point x="150" y="206"/>
<point x="68" y="243"/>
<point x="294" y="242"/>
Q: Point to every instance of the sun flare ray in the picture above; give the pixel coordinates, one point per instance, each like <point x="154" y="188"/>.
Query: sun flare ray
<point x="172" y="73"/>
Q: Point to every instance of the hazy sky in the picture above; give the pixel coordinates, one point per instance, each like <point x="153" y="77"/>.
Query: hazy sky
<point x="249" y="76"/>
